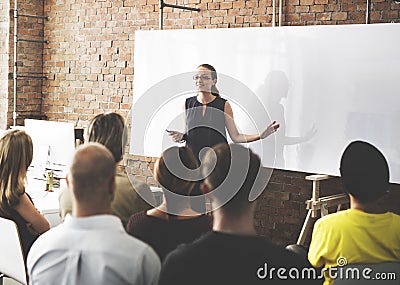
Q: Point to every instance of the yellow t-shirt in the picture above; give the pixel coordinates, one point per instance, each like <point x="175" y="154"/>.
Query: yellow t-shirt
<point x="353" y="236"/>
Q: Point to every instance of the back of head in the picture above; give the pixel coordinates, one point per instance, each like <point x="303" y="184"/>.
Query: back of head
<point x="233" y="172"/>
<point x="365" y="171"/>
<point x="92" y="174"/>
<point x="110" y="131"/>
<point x="176" y="170"/>
<point x="16" y="152"/>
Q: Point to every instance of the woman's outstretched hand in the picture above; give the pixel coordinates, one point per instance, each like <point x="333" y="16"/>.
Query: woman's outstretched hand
<point x="270" y="129"/>
<point x="176" y="136"/>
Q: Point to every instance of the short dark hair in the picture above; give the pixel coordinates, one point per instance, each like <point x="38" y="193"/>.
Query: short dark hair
<point x="233" y="168"/>
<point x="365" y="171"/>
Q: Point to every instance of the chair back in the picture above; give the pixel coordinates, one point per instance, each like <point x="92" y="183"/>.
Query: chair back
<point x="12" y="262"/>
<point x="387" y="273"/>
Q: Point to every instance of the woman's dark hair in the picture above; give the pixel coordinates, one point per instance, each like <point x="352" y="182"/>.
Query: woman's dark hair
<point x="214" y="89"/>
<point x="173" y="170"/>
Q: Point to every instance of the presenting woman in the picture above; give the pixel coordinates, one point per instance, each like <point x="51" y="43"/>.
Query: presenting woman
<point x="208" y="116"/>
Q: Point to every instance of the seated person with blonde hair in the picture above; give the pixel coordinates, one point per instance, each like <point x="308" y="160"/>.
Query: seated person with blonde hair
<point x="131" y="195"/>
<point x="16" y="153"/>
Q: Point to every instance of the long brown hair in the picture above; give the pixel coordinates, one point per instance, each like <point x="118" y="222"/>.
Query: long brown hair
<point x="16" y="152"/>
<point x="171" y="174"/>
<point x="109" y="130"/>
<point x="214" y="89"/>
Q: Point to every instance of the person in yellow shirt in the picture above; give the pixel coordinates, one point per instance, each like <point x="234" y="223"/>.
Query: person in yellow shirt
<point x="365" y="233"/>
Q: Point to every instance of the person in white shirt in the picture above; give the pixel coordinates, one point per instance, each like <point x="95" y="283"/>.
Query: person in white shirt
<point x="91" y="246"/>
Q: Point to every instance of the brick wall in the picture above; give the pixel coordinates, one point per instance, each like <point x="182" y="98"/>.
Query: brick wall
<point x="29" y="61"/>
<point x="89" y="62"/>
<point x="4" y="50"/>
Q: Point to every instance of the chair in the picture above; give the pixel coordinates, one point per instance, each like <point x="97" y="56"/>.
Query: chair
<point x="12" y="262"/>
<point x="387" y="273"/>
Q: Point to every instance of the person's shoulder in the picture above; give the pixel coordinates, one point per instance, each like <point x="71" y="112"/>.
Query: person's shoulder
<point x="186" y="257"/>
<point x="50" y="240"/>
<point x="190" y="102"/>
<point x="137" y="222"/>
<point x="334" y="218"/>
<point x="191" y="98"/>
<point x="136" y="250"/>
<point x="193" y="249"/>
<point x="221" y="99"/>
<point x="394" y="216"/>
<point x="135" y="244"/>
<point x="138" y="217"/>
<point x="394" y="220"/>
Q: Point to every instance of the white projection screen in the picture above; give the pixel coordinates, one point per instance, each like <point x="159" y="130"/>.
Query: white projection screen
<point x="325" y="85"/>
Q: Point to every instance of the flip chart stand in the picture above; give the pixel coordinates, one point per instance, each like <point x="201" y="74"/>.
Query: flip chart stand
<point x="318" y="206"/>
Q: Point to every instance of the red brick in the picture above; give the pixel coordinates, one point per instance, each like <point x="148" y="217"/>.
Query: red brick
<point x="292" y="17"/>
<point x="226" y="5"/>
<point x="317" y="9"/>
<point x="339" y="16"/>
<point x="307" y="17"/>
<point x="302" y="9"/>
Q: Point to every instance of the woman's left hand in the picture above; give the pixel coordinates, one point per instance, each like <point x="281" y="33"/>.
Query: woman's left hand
<point x="176" y="136"/>
<point x="270" y="129"/>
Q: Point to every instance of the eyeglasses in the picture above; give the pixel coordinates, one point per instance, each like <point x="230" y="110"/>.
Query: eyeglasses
<point x="202" y="77"/>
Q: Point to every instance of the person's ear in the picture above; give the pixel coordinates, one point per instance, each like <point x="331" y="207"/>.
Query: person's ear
<point x="214" y="81"/>
<point x="155" y="169"/>
<point x="68" y="181"/>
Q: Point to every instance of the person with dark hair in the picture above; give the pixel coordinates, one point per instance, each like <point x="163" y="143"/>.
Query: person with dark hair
<point x="208" y="116"/>
<point x="91" y="245"/>
<point x="16" y="153"/>
<point x="367" y="232"/>
<point x="132" y="195"/>
<point x="173" y="222"/>
<point x="232" y="253"/>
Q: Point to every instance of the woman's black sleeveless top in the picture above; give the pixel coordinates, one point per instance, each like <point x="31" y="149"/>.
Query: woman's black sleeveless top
<point x="208" y="130"/>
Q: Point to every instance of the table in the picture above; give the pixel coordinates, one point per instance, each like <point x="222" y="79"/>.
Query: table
<point x="47" y="202"/>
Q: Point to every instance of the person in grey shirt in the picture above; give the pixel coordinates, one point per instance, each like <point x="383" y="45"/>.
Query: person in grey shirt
<point x="91" y="246"/>
<point x="131" y="196"/>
